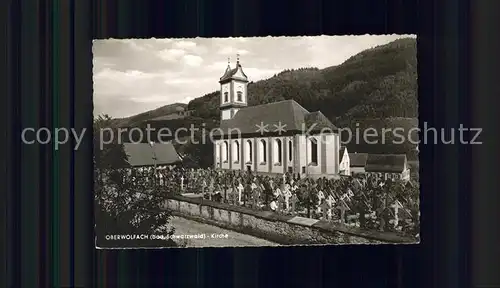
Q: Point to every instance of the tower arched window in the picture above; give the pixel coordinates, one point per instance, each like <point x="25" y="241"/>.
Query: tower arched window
<point x="248" y="151"/>
<point x="277" y="151"/>
<point x="262" y="151"/>
<point x="290" y="151"/>
<point x="236" y="152"/>
<point x="239" y="96"/>
<point x="226" y="97"/>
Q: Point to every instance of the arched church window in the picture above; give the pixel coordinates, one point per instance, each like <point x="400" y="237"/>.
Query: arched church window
<point x="236" y="152"/>
<point x="239" y="96"/>
<point x="290" y="151"/>
<point x="226" y="96"/>
<point x="225" y="152"/>
<point x="248" y="150"/>
<point x="313" y="151"/>
<point x="277" y="151"/>
<point x="263" y="151"/>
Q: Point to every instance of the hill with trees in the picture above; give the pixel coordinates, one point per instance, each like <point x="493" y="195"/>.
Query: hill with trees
<point x="159" y="113"/>
<point x="376" y="88"/>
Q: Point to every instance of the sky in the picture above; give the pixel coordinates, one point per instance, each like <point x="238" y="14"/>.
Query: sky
<point x="132" y="76"/>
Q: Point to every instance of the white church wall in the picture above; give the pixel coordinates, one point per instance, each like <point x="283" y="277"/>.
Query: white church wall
<point x="237" y="157"/>
<point x="331" y="156"/>
<point x="300" y="154"/>
<point x="226" y="114"/>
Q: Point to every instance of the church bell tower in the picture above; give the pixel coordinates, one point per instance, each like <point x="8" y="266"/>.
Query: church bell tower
<point x="233" y="90"/>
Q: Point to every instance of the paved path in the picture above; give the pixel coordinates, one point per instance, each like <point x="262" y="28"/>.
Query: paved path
<point x="213" y="235"/>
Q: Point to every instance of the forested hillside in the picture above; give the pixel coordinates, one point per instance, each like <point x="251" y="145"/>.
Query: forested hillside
<point x="376" y="83"/>
<point x="376" y="88"/>
<point x="138" y="119"/>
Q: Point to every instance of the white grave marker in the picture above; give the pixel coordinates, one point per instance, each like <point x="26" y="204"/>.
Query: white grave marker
<point x="321" y="196"/>
<point x="396" y="206"/>
<point x="288" y="194"/>
<point x="240" y="190"/>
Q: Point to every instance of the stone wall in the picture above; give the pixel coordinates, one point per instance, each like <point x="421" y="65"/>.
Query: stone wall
<point x="281" y="229"/>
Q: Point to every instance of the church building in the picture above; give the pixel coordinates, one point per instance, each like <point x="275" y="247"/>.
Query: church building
<point x="275" y="137"/>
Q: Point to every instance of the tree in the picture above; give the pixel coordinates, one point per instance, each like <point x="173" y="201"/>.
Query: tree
<point x="124" y="204"/>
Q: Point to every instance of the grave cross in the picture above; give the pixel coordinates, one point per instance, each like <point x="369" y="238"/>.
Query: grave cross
<point x="330" y="200"/>
<point x="288" y="194"/>
<point x="396" y="206"/>
<point x="321" y="196"/>
<point x="350" y="193"/>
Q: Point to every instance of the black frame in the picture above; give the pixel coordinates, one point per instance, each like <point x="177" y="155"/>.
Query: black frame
<point x="49" y="192"/>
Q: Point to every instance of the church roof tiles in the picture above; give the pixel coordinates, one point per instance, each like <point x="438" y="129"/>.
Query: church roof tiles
<point x="292" y="117"/>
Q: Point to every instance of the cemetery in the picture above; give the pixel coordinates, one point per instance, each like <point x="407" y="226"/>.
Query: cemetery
<point x="287" y="209"/>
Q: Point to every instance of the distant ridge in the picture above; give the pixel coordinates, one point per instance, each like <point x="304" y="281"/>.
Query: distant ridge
<point x="170" y="110"/>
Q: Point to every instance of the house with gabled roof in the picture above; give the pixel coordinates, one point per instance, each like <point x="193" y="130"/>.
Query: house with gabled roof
<point x="275" y="137"/>
<point x="357" y="162"/>
<point x="388" y="166"/>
